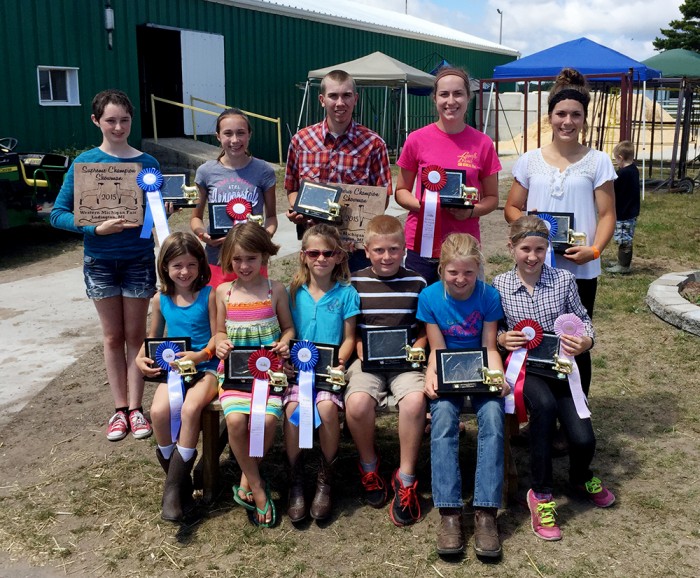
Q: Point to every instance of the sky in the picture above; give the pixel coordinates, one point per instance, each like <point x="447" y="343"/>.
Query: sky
<point x="529" y="26"/>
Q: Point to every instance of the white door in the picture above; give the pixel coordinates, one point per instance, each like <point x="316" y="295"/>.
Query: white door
<point x="203" y="76"/>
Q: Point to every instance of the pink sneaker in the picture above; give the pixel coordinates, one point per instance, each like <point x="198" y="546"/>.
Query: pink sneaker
<point x="597" y="493"/>
<point x="140" y="428"/>
<point x="117" y="427"/>
<point x="542" y="520"/>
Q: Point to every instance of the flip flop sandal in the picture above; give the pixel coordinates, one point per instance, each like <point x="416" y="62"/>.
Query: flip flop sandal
<point x="250" y="506"/>
<point x="268" y="504"/>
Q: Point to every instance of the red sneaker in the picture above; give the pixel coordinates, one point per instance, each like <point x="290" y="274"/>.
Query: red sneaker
<point x="405" y="507"/>
<point x="140" y="428"/>
<point x="375" y="491"/>
<point x="542" y="520"/>
<point x="117" y="427"/>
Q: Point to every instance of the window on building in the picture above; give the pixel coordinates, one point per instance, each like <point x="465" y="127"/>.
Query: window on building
<point x="58" y="86"/>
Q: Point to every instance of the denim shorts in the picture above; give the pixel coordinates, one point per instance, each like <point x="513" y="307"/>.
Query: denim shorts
<point x="126" y="277"/>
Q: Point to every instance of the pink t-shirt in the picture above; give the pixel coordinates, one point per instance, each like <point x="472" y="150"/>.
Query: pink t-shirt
<point x="470" y="151"/>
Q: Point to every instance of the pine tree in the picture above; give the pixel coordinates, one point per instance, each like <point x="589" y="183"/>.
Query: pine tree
<point x="683" y="33"/>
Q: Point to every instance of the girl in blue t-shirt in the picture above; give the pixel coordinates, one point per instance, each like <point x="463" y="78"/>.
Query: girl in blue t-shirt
<point x="460" y="311"/>
<point x="324" y="306"/>
<point x="186" y="306"/>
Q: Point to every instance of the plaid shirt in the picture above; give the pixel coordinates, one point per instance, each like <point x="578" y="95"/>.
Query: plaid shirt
<point x="555" y="294"/>
<point x="357" y="157"/>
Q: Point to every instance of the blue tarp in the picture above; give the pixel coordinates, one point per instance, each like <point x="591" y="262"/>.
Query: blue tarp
<point x="584" y="55"/>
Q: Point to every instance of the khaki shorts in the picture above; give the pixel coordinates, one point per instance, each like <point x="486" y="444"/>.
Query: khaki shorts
<point x="378" y="385"/>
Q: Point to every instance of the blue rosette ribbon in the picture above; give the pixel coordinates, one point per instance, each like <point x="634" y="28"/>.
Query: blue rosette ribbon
<point x="149" y="180"/>
<point x="166" y="353"/>
<point x="304" y="356"/>
<point x="553" y="227"/>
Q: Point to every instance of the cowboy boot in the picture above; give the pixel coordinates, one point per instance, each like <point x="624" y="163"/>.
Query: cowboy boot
<point x="165" y="464"/>
<point x="486" y="540"/>
<point x="296" y="509"/>
<point x="321" y="504"/>
<point x="177" y="485"/>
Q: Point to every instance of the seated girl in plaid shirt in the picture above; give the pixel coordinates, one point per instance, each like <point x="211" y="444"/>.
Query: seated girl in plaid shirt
<point x="533" y="290"/>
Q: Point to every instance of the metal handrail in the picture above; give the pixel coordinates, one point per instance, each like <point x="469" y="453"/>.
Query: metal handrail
<point x="154" y="99"/>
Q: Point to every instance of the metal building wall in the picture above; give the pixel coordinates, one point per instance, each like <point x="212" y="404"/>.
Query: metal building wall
<point x="266" y="56"/>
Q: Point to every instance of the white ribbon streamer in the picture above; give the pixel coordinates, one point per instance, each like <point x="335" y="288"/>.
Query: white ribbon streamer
<point x="257" y="418"/>
<point x="160" y="221"/>
<point x="306" y="409"/>
<point x="430" y="202"/>
<point x="580" y="402"/>
<point x="175" y="398"/>
<point x="517" y="358"/>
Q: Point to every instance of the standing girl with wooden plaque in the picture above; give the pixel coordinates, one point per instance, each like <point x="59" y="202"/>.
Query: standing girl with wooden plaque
<point x="446" y="154"/>
<point x="118" y="266"/>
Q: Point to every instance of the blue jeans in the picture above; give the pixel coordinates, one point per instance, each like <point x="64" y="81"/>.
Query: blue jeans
<point x="444" y="451"/>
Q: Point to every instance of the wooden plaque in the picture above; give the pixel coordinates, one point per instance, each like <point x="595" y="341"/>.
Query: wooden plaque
<point x="358" y="205"/>
<point x="104" y="191"/>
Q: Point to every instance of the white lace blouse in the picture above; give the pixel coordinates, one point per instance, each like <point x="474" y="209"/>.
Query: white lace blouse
<point x="567" y="191"/>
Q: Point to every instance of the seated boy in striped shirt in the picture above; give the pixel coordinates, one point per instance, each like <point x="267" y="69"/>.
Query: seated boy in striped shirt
<point x="388" y="297"/>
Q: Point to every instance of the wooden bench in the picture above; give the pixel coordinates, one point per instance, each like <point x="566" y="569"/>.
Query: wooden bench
<point x="215" y="438"/>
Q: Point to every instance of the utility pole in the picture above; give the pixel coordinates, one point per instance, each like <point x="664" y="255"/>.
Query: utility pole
<point x="500" y="32"/>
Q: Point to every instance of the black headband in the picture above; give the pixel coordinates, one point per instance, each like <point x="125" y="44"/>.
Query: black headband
<point x="569" y="94"/>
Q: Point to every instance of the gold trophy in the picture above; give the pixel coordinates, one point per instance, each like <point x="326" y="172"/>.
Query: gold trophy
<point x="493" y="378"/>
<point x="415" y="356"/>
<point x="336" y="377"/>
<point x="278" y="380"/>
<point x="563" y="366"/>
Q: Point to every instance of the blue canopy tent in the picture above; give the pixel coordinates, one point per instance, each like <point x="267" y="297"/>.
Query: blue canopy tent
<point x="598" y="63"/>
<point x="586" y="56"/>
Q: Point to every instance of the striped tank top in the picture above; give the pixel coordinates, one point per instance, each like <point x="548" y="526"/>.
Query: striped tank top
<point x="251" y="324"/>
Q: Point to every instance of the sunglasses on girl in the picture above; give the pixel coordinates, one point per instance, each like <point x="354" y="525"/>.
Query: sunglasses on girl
<point x="315" y="253"/>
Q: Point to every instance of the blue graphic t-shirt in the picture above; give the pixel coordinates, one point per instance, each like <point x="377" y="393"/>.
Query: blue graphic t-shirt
<point x="461" y="322"/>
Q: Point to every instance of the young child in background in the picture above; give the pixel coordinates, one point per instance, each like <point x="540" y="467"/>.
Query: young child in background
<point x="234" y="174"/>
<point x="118" y="266"/>
<point x="252" y="311"/>
<point x="627" y="205"/>
<point x="533" y="290"/>
<point x="460" y="311"/>
<point x="324" y="306"/>
<point x="185" y="307"/>
<point x="388" y="298"/>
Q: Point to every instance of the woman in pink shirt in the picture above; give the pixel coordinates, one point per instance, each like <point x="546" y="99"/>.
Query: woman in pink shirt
<point x="451" y="145"/>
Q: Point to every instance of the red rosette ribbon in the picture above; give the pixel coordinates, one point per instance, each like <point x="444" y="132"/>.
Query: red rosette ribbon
<point x="533" y="332"/>
<point x="515" y="364"/>
<point x="433" y="177"/>
<point x="261" y="361"/>
<point x="239" y="209"/>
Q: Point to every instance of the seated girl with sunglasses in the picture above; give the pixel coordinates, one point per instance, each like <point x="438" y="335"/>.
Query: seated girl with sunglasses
<point x="324" y="308"/>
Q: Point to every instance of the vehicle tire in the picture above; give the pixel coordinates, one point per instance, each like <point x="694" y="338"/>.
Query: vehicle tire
<point x="685" y="186"/>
